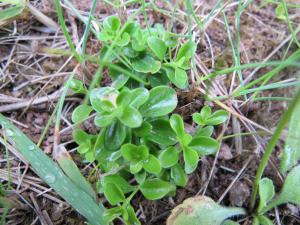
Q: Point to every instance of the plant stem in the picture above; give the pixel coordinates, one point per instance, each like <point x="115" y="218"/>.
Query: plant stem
<point x="272" y="143"/>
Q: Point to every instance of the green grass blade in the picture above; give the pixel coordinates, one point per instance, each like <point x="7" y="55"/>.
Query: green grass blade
<point x="291" y="152"/>
<point x="272" y="143"/>
<point x="88" y="26"/>
<point x="50" y="172"/>
<point x="10" y="12"/>
<point x="65" y="29"/>
<point x="66" y="163"/>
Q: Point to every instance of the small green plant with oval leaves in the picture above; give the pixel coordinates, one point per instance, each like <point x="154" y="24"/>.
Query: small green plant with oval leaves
<point x="140" y="139"/>
<point x="144" y="54"/>
<point x="203" y="211"/>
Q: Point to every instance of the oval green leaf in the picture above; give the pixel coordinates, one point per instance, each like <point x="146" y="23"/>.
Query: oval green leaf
<point x="154" y="189"/>
<point x="162" y="100"/>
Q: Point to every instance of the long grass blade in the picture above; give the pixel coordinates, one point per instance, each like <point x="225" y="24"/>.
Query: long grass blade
<point x="50" y="172"/>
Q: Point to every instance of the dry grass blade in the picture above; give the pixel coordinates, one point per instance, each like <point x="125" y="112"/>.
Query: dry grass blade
<point x="50" y="172"/>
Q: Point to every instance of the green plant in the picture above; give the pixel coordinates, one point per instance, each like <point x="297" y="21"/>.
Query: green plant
<point x="138" y="139"/>
<point x="15" y="9"/>
<point x="145" y="54"/>
<point x="202" y="210"/>
<point x="63" y="177"/>
<point x="206" y="211"/>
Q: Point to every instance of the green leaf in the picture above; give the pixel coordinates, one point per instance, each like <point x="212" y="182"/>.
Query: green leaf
<point x="132" y="152"/>
<point x="124" y="98"/>
<point x="11" y="12"/>
<point x="169" y="157"/>
<point x="120" y="181"/>
<point x="177" y="76"/>
<point x="123" y="40"/>
<point x="152" y="165"/>
<point x="204" y="131"/>
<point x="205" y="112"/>
<point x="204" y="145"/>
<point x="201" y="210"/>
<point x="144" y="130"/>
<point x="138" y="97"/>
<point x="191" y="158"/>
<point x="71" y="170"/>
<point x="291" y="152"/>
<point x="84" y="148"/>
<point x="198" y="119"/>
<point x="90" y="156"/>
<point x="206" y="118"/>
<point x="136" y="167"/>
<point x="138" y="43"/>
<point x="154" y="189"/>
<point x="217" y="118"/>
<point x="158" y="79"/>
<point x="181" y="78"/>
<point x="280" y="12"/>
<point x="81" y="113"/>
<point x="51" y="173"/>
<point x="104" y="119"/>
<point x="162" y="133"/>
<point x="77" y="86"/>
<point x="140" y="177"/>
<point x="113" y="193"/>
<point x="81" y="137"/>
<point x="162" y="100"/>
<point x="290" y="192"/>
<point x="230" y="222"/>
<point x="131" y="117"/>
<point x="266" y="192"/>
<point x="178" y="175"/>
<point x="115" y="135"/>
<point x="104" y="93"/>
<point x="177" y="125"/>
<point x="158" y="47"/>
<point x="146" y="64"/>
<point x="263" y="220"/>
<point x="111" y="23"/>
<point x="187" y="50"/>
<point x="112" y="213"/>
<point x="120" y="81"/>
<point x="132" y="220"/>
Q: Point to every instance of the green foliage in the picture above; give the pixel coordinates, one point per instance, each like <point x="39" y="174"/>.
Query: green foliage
<point x="139" y="140"/>
<point x="291" y="153"/>
<point x="143" y="53"/>
<point x="16" y="8"/>
<point x="195" y="146"/>
<point x="266" y="192"/>
<point x="61" y="177"/>
<point x="201" y="210"/>
<point x="288" y="194"/>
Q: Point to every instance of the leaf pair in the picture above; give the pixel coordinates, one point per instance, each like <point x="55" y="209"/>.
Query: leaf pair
<point x="207" y="118"/>
<point x="140" y="158"/>
<point x="130" y="106"/>
<point x="123" y="106"/>
<point x="110" y="32"/>
<point x="86" y="144"/>
<point x="290" y="193"/>
<point x="114" y="194"/>
<point x="192" y="148"/>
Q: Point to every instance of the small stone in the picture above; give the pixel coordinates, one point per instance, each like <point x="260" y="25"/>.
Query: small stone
<point x="239" y="193"/>
<point x="225" y="152"/>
